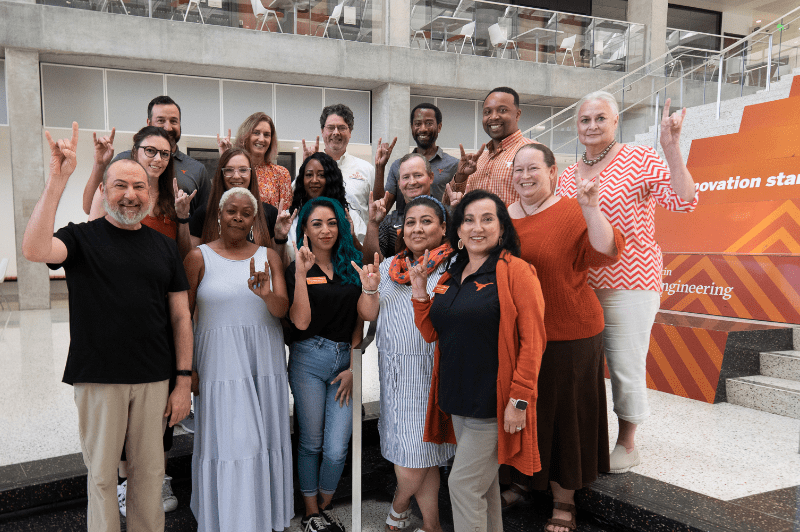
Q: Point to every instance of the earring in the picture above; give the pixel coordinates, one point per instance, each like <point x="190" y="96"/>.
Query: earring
<point x="500" y="241"/>
<point x="251" y="233"/>
<point x="460" y="244"/>
<point x="219" y="225"/>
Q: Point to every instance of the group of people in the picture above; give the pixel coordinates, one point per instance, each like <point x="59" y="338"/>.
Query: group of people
<point x="499" y="288"/>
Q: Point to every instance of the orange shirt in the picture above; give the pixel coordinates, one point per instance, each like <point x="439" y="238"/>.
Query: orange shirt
<point x="521" y="343"/>
<point x="162" y="224"/>
<point x="274" y="184"/>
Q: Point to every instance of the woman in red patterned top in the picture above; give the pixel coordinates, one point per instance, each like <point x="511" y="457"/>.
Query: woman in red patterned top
<point x="632" y="180"/>
<point x="257" y="135"/>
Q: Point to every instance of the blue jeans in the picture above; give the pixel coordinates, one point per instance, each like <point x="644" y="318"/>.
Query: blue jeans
<point x="325" y="427"/>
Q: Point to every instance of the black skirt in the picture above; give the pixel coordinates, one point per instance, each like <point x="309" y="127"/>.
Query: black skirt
<point x="571" y="418"/>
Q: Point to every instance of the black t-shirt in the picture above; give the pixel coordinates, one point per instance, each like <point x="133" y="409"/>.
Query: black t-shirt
<point x="333" y="306"/>
<point x="467" y="318"/>
<point x="118" y="319"/>
<point x="199" y="219"/>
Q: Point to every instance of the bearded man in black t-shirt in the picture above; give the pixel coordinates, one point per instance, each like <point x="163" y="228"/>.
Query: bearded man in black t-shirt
<point x="119" y="274"/>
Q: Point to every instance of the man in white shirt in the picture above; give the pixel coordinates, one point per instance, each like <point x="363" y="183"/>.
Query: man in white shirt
<point x="336" y="122"/>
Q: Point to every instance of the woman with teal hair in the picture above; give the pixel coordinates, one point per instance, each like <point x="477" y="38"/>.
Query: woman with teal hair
<point x="323" y="290"/>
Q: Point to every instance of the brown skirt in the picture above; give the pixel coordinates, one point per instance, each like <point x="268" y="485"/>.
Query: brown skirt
<point x="571" y="419"/>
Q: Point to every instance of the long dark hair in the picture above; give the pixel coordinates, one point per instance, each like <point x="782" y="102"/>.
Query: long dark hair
<point x="166" y="195"/>
<point x="334" y="182"/>
<point x="343" y="250"/>
<point x="509" y="241"/>
<point x="218" y="188"/>
<point x="424" y="201"/>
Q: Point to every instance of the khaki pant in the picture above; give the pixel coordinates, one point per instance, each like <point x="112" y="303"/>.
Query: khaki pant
<point x="110" y="415"/>
<point x="474" y="481"/>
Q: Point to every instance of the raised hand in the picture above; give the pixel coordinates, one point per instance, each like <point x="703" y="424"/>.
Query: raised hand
<point x="377" y="209"/>
<point x="63" y="159"/>
<point x="671" y="127"/>
<point x="588" y="190"/>
<point x="350" y="220"/>
<point x="224" y="143"/>
<point x="419" y="276"/>
<point x="469" y="161"/>
<point x="258" y="283"/>
<point x="384" y="151"/>
<point x="283" y="224"/>
<point x="303" y="258"/>
<point x="104" y="148"/>
<point x="452" y="195"/>
<point x="307" y="152"/>
<point x="182" y="199"/>
<point x="370" y="274"/>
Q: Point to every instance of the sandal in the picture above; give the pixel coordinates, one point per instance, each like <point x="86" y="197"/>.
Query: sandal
<point x="513" y="496"/>
<point x="397" y="520"/>
<point x="569" y="525"/>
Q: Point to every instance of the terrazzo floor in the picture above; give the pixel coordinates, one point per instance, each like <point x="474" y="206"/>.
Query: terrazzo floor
<point x="723" y="451"/>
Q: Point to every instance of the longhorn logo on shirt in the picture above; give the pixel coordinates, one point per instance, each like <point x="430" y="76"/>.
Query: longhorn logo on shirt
<point x="479" y="286"/>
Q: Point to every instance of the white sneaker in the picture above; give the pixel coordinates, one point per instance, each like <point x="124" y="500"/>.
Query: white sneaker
<point x="167" y="497"/>
<point x="621" y="461"/>
<point x="122" y="492"/>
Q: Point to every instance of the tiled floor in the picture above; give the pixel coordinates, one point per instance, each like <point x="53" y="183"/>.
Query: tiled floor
<point x="722" y="451"/>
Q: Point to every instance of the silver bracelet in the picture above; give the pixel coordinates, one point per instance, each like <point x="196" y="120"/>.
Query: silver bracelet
<point x="369" y="292"/>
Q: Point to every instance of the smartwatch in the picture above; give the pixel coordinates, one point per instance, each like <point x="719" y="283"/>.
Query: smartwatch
<point x="519" y="404"/>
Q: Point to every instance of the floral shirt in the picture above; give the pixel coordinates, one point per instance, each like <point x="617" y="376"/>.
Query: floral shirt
<point x="274" y="184"/>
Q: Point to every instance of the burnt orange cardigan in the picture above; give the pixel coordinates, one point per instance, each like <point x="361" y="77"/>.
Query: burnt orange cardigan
<point x="520" y="346"/>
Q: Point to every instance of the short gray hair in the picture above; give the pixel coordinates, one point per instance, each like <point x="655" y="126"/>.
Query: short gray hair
<point x="238" y="191"/>
<point x="603" y="96"/>
<point x="407" y="157"/>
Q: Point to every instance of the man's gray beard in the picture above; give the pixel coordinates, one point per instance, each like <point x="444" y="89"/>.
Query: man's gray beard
<point x="123" y="219"/>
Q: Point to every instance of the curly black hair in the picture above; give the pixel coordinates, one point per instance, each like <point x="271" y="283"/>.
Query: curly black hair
<point x="509" y="240"/>
<point x="334" y="182"/>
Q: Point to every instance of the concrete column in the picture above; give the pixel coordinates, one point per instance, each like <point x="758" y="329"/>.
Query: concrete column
<point x="653" y="14"/>
<point x="399" y="22"/>
<point x="27" y="169"/>
<point x="391" y="107"/>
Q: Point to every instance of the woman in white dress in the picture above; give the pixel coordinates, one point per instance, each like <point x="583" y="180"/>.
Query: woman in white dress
<point x="242" y="460"/>
<point x="406" y="363"/>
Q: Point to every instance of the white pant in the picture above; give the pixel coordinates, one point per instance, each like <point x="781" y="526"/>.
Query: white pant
<point x="629" y="316"/>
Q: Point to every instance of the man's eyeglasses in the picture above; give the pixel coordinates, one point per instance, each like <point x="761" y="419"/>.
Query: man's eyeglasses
<point x="230" y="172"/>
<point x="151" y="152"/>
<point x="341" y="129"/>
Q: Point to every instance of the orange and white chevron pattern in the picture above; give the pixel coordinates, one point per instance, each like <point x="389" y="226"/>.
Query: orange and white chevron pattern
<point x="630" y="187"/>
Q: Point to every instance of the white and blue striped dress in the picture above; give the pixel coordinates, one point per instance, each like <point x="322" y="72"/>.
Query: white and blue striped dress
<point x="405" y="365"/>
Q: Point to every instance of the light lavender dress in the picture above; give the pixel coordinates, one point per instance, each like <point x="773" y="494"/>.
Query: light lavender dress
<point x="242" y="461"/>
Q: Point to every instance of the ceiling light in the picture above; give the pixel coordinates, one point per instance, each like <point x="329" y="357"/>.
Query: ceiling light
<point x="758" y="21"/>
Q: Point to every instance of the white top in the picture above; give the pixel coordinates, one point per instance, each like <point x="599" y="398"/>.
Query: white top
<point x="359" y="180"/>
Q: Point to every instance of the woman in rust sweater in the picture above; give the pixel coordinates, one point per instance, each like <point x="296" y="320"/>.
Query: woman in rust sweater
<point x="487" y="319"/>
<point x="562" y="238"/>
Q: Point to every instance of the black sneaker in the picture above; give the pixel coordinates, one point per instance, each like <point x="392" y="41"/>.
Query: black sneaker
<point x="314" y="523"/>
<point x="333" y="522"/>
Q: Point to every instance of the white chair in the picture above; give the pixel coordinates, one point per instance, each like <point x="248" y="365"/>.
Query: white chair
<point x="466" y="33"/>
<point x="259" y="9"/>
<point x="188" y="7"/>
<point x="566" y="46"/>
<point x="417" y="31"/>
<point x="107" y="3"/>
<point x="3" y="268"/>
<point x="499" y="38"/>
<point x="333" y="19"/>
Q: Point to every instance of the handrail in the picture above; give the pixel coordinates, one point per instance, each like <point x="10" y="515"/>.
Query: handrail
<point x="356" y="398"/>
<point x="659" y="61"/>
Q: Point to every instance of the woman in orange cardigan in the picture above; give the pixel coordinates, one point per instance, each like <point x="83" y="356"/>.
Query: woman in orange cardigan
<point x="487" y="317"/>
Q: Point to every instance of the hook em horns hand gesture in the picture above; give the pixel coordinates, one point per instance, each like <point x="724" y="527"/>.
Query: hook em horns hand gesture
<point x="224" y="143"/>
<point x="671" y="126"/>
<point x="304" y="259"/>
<point x="308" y="152"/>
<point x="104" y="148"/>
<point x="370" y="274"/>
<point x="63" y="159"/>
<point x="588" y="190"/>
<point x="469" y="161"/>
<point x="283" y="224"/>
<point x="419" y="276"/>
<point x="182" y="199"/>
<point x="384" y="151"/>
<point x="258" y="282"/>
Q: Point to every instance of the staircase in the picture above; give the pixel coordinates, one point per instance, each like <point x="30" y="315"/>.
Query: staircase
<point x="775" y="390"/>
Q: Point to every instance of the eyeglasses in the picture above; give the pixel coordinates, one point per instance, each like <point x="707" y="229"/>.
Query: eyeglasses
<point x="230" y="172"/>
<point x="341" y="129"/>
<point x="151" y="152"/>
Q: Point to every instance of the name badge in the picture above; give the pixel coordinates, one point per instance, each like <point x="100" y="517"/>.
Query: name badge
<point x="440" y="288"/>
<point x="316" y="280"/>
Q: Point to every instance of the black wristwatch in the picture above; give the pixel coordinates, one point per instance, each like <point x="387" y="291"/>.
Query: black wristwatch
<point x="184" y="373"/>
<point x="519" y="404"/>
<point x="280" y="240"/>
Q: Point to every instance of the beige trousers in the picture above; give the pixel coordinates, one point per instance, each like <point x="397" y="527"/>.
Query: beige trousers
<point x="110" y="415"/>
<point x="474" y="481"/>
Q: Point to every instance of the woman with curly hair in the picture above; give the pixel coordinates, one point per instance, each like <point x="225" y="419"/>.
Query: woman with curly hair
<point x="257" y="135"/>
<point x="319" y="175"/>
<point x="324" y="291"/>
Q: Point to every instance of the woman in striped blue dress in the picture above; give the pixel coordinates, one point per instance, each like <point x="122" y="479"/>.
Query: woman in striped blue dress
<point x="406" y="362"/>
